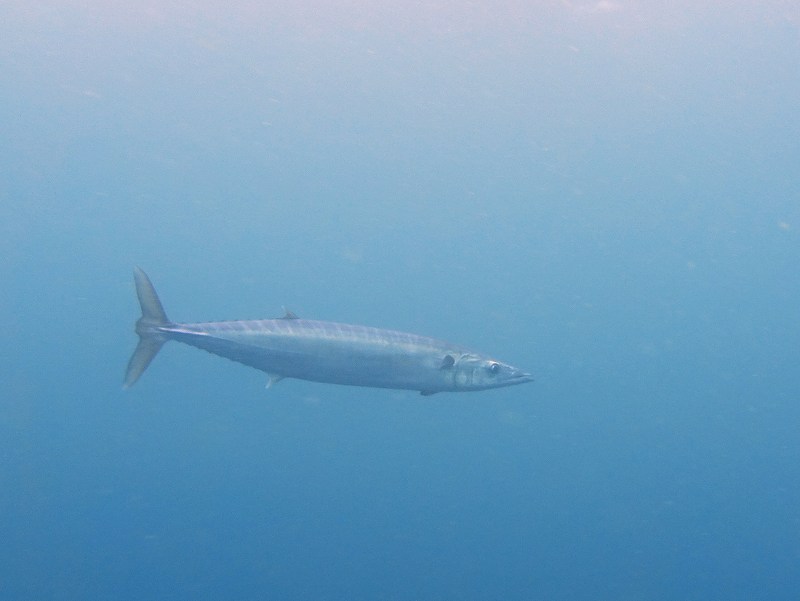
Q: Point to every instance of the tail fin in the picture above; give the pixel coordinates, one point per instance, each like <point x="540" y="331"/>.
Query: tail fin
<point x="151" y="339"/>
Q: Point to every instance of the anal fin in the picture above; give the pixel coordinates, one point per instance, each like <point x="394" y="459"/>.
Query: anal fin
<point x="273" y="379"/>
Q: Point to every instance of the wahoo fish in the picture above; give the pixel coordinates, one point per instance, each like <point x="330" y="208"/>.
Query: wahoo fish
<point x="321" y="351"/>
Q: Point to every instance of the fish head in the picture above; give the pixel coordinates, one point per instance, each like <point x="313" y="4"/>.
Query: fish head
<point x="476" y="372"/>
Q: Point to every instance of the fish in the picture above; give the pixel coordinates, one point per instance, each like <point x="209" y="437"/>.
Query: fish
<point x="320" y="351"/>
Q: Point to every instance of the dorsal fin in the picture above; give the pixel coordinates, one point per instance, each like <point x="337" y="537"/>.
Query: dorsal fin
<point x="289" y="314"/>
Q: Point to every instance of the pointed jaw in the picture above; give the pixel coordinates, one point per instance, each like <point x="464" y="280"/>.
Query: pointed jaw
<point x="519" y="377"/>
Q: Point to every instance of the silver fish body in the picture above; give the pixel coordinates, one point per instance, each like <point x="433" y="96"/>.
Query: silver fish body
<point x="322" y="351"/>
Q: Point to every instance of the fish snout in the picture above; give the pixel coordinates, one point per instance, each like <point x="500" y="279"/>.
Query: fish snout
<point x="522" y="376"/>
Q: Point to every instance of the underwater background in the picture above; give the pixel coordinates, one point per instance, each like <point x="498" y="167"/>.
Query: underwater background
<point x="604" y="193"/>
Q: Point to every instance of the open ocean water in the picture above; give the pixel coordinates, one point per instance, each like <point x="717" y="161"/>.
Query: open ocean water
<point x="604" y="193"/>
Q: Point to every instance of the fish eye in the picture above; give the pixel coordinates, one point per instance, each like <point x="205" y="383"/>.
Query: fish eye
<point x="494" y="368"/>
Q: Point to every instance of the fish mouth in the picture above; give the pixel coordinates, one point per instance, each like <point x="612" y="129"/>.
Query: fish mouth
<point x="520" y="378"/>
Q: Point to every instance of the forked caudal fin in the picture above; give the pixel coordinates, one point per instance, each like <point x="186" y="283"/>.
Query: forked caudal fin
<point x="151" y="339"/>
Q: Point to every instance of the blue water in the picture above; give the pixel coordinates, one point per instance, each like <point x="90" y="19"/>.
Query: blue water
<point x="603" y="193"/>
